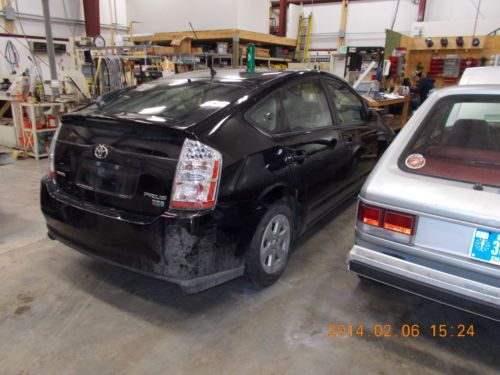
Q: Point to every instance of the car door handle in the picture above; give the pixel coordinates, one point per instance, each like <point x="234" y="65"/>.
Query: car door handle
<point x="298" y="156"/>
<point x="348" y="141"/>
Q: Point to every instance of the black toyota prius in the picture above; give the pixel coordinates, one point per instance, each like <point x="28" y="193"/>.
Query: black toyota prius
<point x="206" y="176"/>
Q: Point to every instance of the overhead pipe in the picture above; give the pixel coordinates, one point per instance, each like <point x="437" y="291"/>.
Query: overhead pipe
<point x="92" y="17"/>
<point x="421" y="11"/>
<point x="62" y="20"/>
<point x="282" y="23"/>
<point x="276" y="4"/>
<point x="395" y="14"/>
<point x="54" y="82"/>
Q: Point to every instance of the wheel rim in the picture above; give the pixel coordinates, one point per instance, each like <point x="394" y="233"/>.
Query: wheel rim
<point x="275" y="244"/>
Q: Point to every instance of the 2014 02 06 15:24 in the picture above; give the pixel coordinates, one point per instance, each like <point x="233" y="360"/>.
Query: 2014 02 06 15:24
<point x="404" y="330"/>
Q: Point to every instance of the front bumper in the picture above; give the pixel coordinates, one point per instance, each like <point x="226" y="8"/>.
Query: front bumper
<point x="463" y="293"/>
<point x="192" y="250"/>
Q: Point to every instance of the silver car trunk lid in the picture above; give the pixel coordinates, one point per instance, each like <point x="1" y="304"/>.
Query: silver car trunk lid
<point x="448" y="211"/>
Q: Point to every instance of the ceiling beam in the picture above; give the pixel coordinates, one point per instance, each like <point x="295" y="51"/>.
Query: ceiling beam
<point x="276" y="4"/>
<point x="282" y="24"/>
<point x="421" y="11"/>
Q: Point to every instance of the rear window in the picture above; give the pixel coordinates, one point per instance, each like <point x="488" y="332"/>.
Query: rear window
<point x="189" y="101"/>
<point x="459" y="140"/>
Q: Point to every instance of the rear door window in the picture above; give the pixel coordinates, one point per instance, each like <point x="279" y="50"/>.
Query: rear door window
<point x="266" y="114"/>
<point x="459" y="140"/>
<point x="306" y="107"/>
<point x="350" y="109"/>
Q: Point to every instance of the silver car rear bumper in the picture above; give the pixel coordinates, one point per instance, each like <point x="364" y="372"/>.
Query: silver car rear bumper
<point x="440" y="286"/>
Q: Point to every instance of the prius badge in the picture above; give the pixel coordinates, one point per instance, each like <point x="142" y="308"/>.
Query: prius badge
<point x="101" y="151"/>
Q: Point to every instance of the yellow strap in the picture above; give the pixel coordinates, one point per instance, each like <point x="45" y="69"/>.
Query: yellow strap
<point x="98" y="74"/>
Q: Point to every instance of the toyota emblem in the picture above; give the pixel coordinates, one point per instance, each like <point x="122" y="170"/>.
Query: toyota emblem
<point x="101" y="152"/>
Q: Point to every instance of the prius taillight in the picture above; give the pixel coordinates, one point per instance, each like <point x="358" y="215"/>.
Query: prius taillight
<point x="197" y="177"/>
<point x="388" y="219"/>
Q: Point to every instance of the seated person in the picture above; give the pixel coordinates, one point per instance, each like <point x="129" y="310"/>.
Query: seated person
<point x="422" y="87"/>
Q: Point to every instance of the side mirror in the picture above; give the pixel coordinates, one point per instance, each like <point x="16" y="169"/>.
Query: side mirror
<point x="370" y="113"/>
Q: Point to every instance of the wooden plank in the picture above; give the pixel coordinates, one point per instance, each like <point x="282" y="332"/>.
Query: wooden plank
<point x="222" y="34"/>
<point x="489" y="46"/>
<point x="4" y="108"/>
<point x="385" y="102"/>
<point x="388" y="102"/>
<point x="251" y="36"/>
<point x="8" y="26"/>
<point x="343" y="21"/>
<point x="204" y="35"/>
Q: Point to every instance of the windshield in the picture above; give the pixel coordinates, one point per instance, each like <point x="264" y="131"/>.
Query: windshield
<point x="459" y="140"/>
<point x="188" y="101"/>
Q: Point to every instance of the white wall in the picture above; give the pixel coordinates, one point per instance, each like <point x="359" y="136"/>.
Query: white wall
<point x="173" y="15"/>
<point x="457" y="17"/>
<point x="64" y="24"/>
<point x="63" y="19"/>
<point x="368" y="19"/>
<point x="458" y="10"/>
<point x="253" y="15"/>
<point x="366" y="22"/>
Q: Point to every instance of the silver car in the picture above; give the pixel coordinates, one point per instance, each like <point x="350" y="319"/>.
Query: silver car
<point x="428" y="218"/>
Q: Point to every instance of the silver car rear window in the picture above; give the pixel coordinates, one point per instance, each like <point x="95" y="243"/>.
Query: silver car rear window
<point x="459" y="140"/>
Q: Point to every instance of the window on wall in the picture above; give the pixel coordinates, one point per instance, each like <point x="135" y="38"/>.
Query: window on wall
<point x="306" y="107"/>
<point x="349" y="108"/>
<point x="265" y="114"/>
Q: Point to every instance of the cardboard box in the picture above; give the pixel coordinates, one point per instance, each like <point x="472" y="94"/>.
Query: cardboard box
<point x="153" y="50"/>
<point x="262" y="52"/>
<point x="160" y="50"/>
<point x="165" y="50"/>
<point x="182" y="44"/>
<point x="259" y="52"/>
<point x="183" y="68"/>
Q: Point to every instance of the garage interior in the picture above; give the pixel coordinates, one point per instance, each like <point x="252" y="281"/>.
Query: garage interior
<point x="62" y="312"/>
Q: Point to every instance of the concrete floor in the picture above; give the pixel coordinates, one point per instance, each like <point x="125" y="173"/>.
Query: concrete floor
<point x="63" y="313"/>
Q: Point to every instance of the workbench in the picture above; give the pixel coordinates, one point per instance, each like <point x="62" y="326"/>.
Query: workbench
<point x="384" y="103"/>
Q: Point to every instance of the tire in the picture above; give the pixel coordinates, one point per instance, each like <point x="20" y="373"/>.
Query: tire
<point x="270" y="247"/>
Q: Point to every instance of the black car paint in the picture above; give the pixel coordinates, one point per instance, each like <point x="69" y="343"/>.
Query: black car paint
<point x="310" y="169"/>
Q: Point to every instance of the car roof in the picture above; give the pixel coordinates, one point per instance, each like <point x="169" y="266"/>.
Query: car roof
<point x="469" y="90"/>
<point x="481" y="75"/>
<point x="239" y="75"/>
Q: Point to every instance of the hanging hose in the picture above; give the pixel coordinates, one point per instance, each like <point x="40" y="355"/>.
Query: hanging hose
<point x="110" y="74"/>
<point x="12" y="56"/>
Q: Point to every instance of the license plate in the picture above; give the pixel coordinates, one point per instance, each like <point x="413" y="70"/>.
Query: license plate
<point x="486" y="246"/>
<point x="107" y="178"/>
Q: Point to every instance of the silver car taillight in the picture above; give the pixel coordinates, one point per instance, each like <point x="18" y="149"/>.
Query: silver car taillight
<point x="197" y="177"/>
<point x="381" y="222"/>
<point x="52" y="167"/>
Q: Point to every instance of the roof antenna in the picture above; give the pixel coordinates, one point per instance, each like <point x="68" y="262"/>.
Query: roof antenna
<point x="194" y="32"/>
<point x="212" y="71"/>
<point x="209" y="60"/>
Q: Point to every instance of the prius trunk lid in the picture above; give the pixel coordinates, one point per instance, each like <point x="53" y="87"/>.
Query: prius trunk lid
<point x="125" y="165"/>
